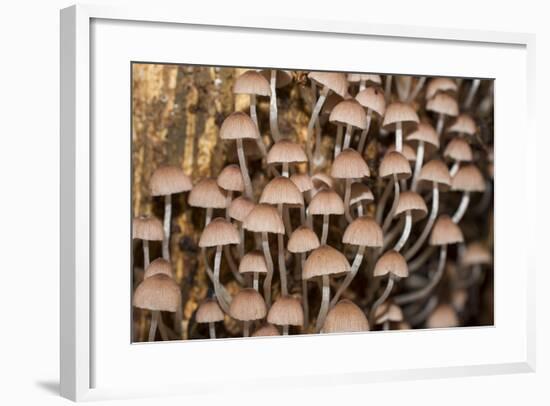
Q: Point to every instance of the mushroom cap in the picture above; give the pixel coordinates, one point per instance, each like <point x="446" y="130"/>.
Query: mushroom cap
<point x="253" y="261"/>
<point x="167" y="180"/>
<point x="219" y="232"/>
<point x="159" y="292"/>
<point x="252" y="82"/>
<point x="240" y="208"/>
<point x="440" y="85"/>
<point x="400" y="113"/>
<point x="426" y="133"/>
<point x="326" y="201"/>
<point x="349" y="164"/>
<point x="360" y="192"/>
<point x="207" y="194"/>
<point x="325" y="260"/>
<point x="335" y="81"/>
<point x="408" y="152"/>
<point x="442" y="103"/>
<point x="209" y="311"/>
<point x="435" y="171"/>
<point x="392" y="262"/>
<point x="332" y="100"/>
<point x="468" y="179"/>
<point x="395" y="163"/>
<point x="286" y="150"/>
<point x="369" y="78"/>
<point x="445" y="231"/>
<point x="302" y="181"/>
<point x="231" y="178"/>
<point x="345" y="317"/>
<point x="372" y="98"/>
<point x="248" y="305"/>
<point x="321" y="180"/>
<point x="413" y="202"/>
<point x="458" y="150"/>
<point x="267" y="330"/>
<point x="443" y="316"/>
<point x="238" y="125"/>
<point x="264" y="218"/>
<point x="476" y="254"/>
<point x="282" y="77"/>
<point x="147" y="228"/>
<point x="303" y="239"/>
<point x="349" y="112"/>
<point x="388" y="311"/>
<point x="286" y="311"/>
<point x="158" y="266"/>
<point x="464" y="124"/>
<point x="281" y="190"/>
<point x="364" y="231"/>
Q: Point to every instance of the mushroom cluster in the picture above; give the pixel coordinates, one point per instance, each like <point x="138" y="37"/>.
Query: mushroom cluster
<point x="376" y="216"/>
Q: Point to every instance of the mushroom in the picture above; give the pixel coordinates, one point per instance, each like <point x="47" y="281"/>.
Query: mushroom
<point x="438" y="85"/>
<point x="326" y="202"/>
<point x="399" y="116"/>
<point x="267" y="330"/>
<point x="475" y="256"/>
<point x="324" y="261"/>
<point x="209" y="312"/>
<point x="387" y="313"/>
<point x="286" y="152"/>
<point x="413" y="207"/>
<point x="364" y="79"/>
<point x="345" y="317"/>
<point x="360" y="194"/>
<point x="166" y="181"/>
<point x="444" y="105"/>
<point x="238" y="126"/>
<point x="463" y="125"/>
<point x="265" y="219"/>
<point x="158" y="266"/>
<point x="238" y="210"/>
<point x="217" y="233"/>
<point x="286" y="311"/>
<point x="320" y="181"/>
<point x="147" y="229"/>
<point x="351" y="114"/>
<point x="349" y="165"/>
<point x="304" y="184"/>
<point x="247" y="305"/>
<point x="363" y="232"/>
<point x="253" y="262"/>
<point x="471" y="93"/>
<point x="468" y="179"/>
<point x="277" y="78"/>
<point x="424" y="135"/>
<point x="444" y="316"/>
<point x="371" y="98"/>
<point x="458" y="150"/>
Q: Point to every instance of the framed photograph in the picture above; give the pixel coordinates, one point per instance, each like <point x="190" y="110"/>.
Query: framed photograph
<point x="249" y="209"/>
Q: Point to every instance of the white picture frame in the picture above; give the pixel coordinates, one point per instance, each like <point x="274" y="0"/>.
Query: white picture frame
<point x="80" y="316"/>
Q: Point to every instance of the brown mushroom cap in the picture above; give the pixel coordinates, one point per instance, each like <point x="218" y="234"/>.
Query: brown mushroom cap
<point x="207" y="194"/>
<point x="240" y="208"/>
<point x="400" y="113"/>
<point x="349" y="164"/>
<point x="302" y="181"/>
<point x="219" y="232"/>
<point x="286" y="311"/>
<point x="281" y="190"/>
<point x="458" y="150"/>
<point x="267" y="330"/>
<point x="468" y="179"/>
<point x="426" y="133"/>
<point x="435" y="171"/>
<point x="437" y="85"/>
<point x="445" y="231"/>
<point x="238" y="125"/>
<point x="326" y="201"/>
<point x="392" y="262"/>
<point x="248" y="305"/>
<point x="332" y="100"/>
<point x="303" y="239"/>
<point x="349" y="112"/>
<point x="286" y="150"/>
<point x="372" y="98"/>
<point x="158" y="266"/>
<point x="408" y="152"/>
<point x="443" y="316"/>
<point x="321" y="180"/>
<point x="444" y="104"/>
<point x="335" y="81"/>
<point x="264" y="218"/>
<point x="147" y="228"/>
<point x="345" y="317"/>
<point x="325" y="260"/>
<point x="282" y="77"/>
<point x="231" y="178"/>
<point x="209" y="311"/>
<point x="413" y="202"/>
<point x="252" y="82"/>
<point x="395" y="163"/>
<point x="369" y="78"/>
<point x="167" y="180"/>
<point x="388" y="311"/>
<point x="159" y="292"/>
<point x="464" y="124"/>
<point x="359" y="193"/>
<point x="253" y="261"/>
<point x="364" y="231"/>
<point x="476" y="254"/>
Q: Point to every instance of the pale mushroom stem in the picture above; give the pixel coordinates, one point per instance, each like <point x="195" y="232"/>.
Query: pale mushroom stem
<point x="417" y="165"/>
<point x="399" y="137"/>
<point x="285" y="170"/>
<point x="364" y="133"/>
<point x="318" y="134"/>
<point x="440" y="124"/>
<point x="350" y="275"/>
<point x="212" y="330"/>
<point x="324" y="303"/>
<point x="393" y="233"/>
<point x="382" y="298"/>
<point x="471" y="93"/>
<point x="244" y="169"/>
<point x="217" y="285"/>
<point x="254" y="117"/>
<point x="207" y="220"/>
<point x="273" y="119"/>
<point x="347" y="136"/>
<point x="302" y="215"/>
<point x="347" y="196"/>
<point x="154" y="324"/>
<point x="417" y="89"/>
<point x="461" y="210"/>
<point x="232" y="265"/>
<point x="281" y="258"/>
<point x="324" y="234"/>
<point x="387" y="88"/>
<point x="246" y="328"/>
<point x="338" y="142"/>
<point x="146" y="257"/>
<point x="241" y="241"/>
<point x="406" y="232"/>
<point x="304" y="292"/>
<point x="256" y="282"/>
<point x="167" y="218"/>
<point x="362" y="84"/>
<point x="314" y="116"/>
<point x="386" y="325"/>
<point x="360" y="209"/>
<point x="422" y="293"/>
<point x="428" y="227"/>
<point x="269" y="275"/>
<point x="382" y="202"/>
<point x="285" y="329"/>
<point x="421" y="259"/>
<point x="389" y="217"/>
<point x="454" y="169"/>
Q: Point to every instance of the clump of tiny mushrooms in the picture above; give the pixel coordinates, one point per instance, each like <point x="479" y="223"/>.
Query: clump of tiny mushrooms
<point x="362" y="232"/>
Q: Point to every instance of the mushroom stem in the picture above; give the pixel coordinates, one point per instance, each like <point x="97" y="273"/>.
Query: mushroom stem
<point x="364" y="133"/>
<point x="347" y="196"/>
<point x="273" y="120"/>
<point x="224" y="303"/>
<point x="471" y="93"/>
<point x="256" y="282"/>
<point x="285" y="170"/>
<point x="386" y="325"/>
<point x="428" y="227"/>
<point x="387" y="88"/>
<point x="314" y="116"/>
<point x="454" y="169"/>
<point x="241" y="241"/>
<point x="285" y="329"/>
<point x="302" y="215"/>
<point x="286" y="220"/>
<point x="281" y="258"/>
<point x="269" y="275"/>
<point x="421" y="259"/>
<point x="406" y="232"/>
<point x="399" y="137"/>
<point x="362" y="84"/>
<point x="154" y="324"/>
<point x="244" y="169"/>
<point x="382" y="298"/>
<point x="424" y="313"/>
<point x="347" y="136"/>
<point x="304" y="292"/>
<point x="417" y="89"/>
<point x="324" y="234"/>
<point x="232" y="265"/>
<point x="422" y="293"/>
<point x="360" y="210"/>
<point x="338" y="142"/>
<point x="228" y="199"/>
<point x="393" y="233"/>
<point x="350" y="275"/>
<point x="254" y="117"/>
<point x="417" y="165"/>
<point x="167" y="218"/>
<point x="324" y="304"/>
<point x="212" y="330"/>
<point x="146" y="257"/>
<point x="382" y="202"/>
<point x="440" y="124"/>
<point x="461" y="210"/>
<point x="246" y="328"/>
<point x="389" y="217"/>
<point x="318" y="134"/>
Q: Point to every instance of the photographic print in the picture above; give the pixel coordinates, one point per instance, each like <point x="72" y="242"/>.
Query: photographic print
<point x="274" y="202"/>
